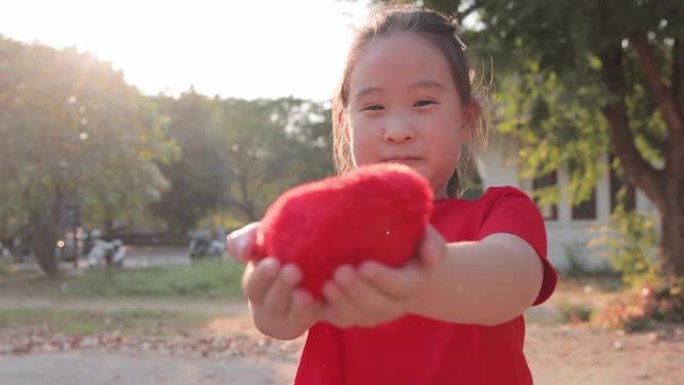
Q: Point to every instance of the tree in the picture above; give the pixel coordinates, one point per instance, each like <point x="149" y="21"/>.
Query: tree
<point x="599" y="75"/>
<point x="271" y="145"/>
<point x="200" y="177"/>
<point x="71" y="129"/>
<point x="238" y="155"/>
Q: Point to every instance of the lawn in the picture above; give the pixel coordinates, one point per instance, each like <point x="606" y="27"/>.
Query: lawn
<point x="202" y="279"/>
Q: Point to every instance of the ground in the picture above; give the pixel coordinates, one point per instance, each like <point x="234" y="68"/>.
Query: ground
<point x="230" y="351"/>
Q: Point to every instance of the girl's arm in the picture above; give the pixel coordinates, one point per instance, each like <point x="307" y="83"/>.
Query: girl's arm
<point x="485" y="282"/>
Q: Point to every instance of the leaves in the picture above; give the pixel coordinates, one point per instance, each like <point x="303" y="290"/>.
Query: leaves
<point x="238" y="155"/>
<point x="73" y="127"/>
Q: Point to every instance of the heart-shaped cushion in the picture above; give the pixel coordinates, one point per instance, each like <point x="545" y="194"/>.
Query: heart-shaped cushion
<point x="376" y="212"/>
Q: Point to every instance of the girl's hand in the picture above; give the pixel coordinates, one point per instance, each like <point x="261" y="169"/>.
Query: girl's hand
<point x="240" y="244"/>
<point x="278" y="307"/>
<point x="375" y="293"/>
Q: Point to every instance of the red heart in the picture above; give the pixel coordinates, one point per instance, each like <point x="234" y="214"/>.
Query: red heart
<point x="377" y="212"/>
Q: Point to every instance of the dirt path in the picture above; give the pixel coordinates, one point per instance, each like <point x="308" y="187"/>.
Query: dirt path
<point x="237" y="354"/>
<point x="571" y="355"/>
<point x="102" y="367"/>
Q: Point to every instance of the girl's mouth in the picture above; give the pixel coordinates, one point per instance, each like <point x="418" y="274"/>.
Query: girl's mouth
<point x="401" y="159"/>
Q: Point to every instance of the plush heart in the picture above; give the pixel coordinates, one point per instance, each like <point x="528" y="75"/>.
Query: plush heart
<point x="377" y="212"/>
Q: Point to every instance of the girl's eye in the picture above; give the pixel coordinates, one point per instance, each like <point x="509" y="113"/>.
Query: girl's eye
<point x="373" y="107"/>
<point x="424" y="102"/>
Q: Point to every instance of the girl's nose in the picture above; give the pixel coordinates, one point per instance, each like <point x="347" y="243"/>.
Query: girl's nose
<point x="398" y="131"/>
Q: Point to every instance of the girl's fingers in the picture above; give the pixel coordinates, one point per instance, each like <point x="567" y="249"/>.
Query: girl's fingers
<point x="339" y="310"/>
<point x="361" y="293"/>
<point x="279" y="295"/>
<point x="240" y="244"/>
<point x="394" y="282"/>
<point x="259" y="279"/>
<point x="303" y="308"/>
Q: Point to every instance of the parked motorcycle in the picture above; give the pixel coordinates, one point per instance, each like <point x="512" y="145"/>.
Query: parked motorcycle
<point x="105" y="253"/>
<point x="203" y="244"/>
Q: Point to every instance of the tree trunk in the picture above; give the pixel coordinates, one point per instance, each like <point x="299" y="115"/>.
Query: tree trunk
<point x="673" y="215"/>
<point x="664" y="187"/>
<point x="673" y="230"/>
<point x="670" y="106"/>
<point x="44" y="240"/>
<point x="45" y="229"/>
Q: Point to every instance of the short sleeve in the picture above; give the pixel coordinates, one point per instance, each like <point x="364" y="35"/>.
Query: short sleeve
<point x="509" y="210"/>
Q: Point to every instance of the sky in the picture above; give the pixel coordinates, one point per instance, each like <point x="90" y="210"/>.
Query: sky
<point x="232" y="48"/>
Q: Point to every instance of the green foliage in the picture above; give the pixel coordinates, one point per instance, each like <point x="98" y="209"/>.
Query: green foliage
<point x="633" y="254"/>
<point x="555" y="129"/>
<point x="577" y="79"/>
<point x="630" y="243"/>
<point x="271" y="145"/>
<point x="575" y="313"/>
<point x="71" y="128"/>
<point x="238" y="155"/>
<point x="200" y="176"/>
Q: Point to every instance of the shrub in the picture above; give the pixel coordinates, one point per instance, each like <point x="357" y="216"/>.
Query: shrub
<point x="639" y="309"/>
<point x="575" y="313"/>
<point x="630" y="242"/>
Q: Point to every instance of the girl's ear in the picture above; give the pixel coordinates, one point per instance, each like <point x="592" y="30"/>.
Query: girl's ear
<point x="471" y="115"/>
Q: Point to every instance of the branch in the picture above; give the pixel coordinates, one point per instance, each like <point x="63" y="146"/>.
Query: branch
<point x="678" y="74"/>
<point x="637" y="169"/>
<point x="664" y="99"/>
<point x="246" y="205"/>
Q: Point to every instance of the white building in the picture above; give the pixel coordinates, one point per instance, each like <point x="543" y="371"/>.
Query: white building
<point x="568" y="229"/>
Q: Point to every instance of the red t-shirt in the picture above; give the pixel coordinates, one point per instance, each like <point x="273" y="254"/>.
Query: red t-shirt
<point x="417" y="350"/>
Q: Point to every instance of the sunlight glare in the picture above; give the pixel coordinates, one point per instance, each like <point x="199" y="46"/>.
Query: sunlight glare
<point x="241" y="49"/>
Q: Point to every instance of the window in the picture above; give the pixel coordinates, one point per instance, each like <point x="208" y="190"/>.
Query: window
<point x="586" y="209"/>
<point x="549" y="211"/>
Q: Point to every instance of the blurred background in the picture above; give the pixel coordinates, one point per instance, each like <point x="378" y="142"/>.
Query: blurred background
<point x="136" y="124"/>
<point x="149" y="122"/>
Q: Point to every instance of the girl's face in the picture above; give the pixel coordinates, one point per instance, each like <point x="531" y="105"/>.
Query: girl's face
<point x="404" y="107"/>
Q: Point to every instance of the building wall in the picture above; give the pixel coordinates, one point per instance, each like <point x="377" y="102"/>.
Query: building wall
<point x="568" y="239"/>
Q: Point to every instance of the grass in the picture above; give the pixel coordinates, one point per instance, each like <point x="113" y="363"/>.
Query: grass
<point x="80" y="322"/>
<point x="201" y="279"/>
<point x="212" y="279"/>
<point x="206" y="279"/>
<point x="576" y="297"/>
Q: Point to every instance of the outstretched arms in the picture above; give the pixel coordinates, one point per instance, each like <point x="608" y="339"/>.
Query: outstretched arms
<point x="484" y="282"/>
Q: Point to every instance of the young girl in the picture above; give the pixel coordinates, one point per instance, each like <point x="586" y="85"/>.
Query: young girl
<point x="455" y="315"/>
